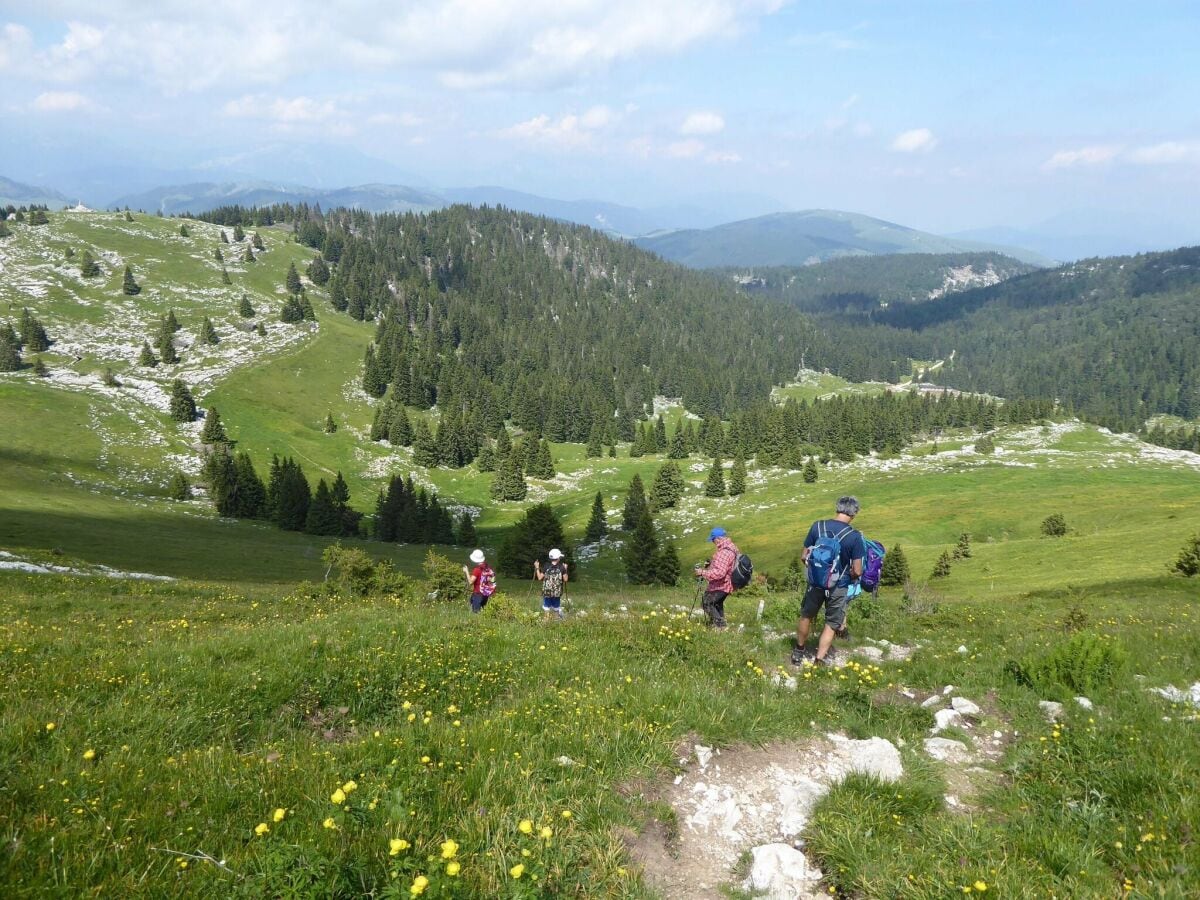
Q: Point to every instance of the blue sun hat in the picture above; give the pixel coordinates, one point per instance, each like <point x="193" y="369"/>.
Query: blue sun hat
<point x="716" y="533"/>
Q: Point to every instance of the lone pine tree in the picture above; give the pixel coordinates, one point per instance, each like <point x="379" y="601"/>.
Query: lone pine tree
<point x="895" y="568"/>
<point x="667" y="487"/>
<point x="635" y="504"/>
<point x="597" y="526"/>
<point x="183" y="405"/>
<point x="129" y="286"/>
<point x="245" y="310"/>
<point x="810" y="471"/>
<point x="147" y="357"/>
<point x="942" y="567"/>
<point x="208" y="334"/>
<point x="737" y="476"/>
<point x="213" y="431"/>
<point x="715" y="485"/>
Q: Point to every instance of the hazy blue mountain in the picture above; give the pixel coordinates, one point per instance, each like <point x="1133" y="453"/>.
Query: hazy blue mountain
<point x="599" y="214"/>
<point x="1087" y="233"/>
<point x="202" y="196"/>
<point x="806" y="237"/>
<point x="18" y="194"/>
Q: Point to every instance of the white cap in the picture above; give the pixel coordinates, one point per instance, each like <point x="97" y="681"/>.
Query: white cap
<point x="555" y="554"/>
<point x="477" y="556"/>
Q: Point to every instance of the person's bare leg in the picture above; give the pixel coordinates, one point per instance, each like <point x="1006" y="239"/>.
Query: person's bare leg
<point x="825" y="642"/>
<point x="802" y="629"/>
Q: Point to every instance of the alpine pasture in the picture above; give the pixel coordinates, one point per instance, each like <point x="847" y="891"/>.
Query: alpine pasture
<point x="244" y="727"/>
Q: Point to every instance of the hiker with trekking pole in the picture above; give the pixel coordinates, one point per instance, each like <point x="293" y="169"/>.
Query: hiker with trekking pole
<point x="481" y="581"/>
<point x="719" y="572"/>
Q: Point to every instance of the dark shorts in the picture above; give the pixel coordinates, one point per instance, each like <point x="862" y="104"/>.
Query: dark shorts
<point x="714" y="607"/>
<point x="835" y="605"/>
<point x="478" y="602"/>
<point x="551" y="602"/>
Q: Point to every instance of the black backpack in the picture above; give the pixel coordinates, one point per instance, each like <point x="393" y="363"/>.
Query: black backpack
<point x="743" y="571"/>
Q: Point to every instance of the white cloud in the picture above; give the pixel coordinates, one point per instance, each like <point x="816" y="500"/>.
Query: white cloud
<point x="723" y="156"/>
<point x="917" y="140"/>
<point x="15" y="43"/>
<point x="407" y="120"/>
<point x="469" y="44"/>
<point x="1084" y="156"/>
<point x="1166" y="153"/>
<point x="688" y="149"/>
<point x="702" y="122"/>
<point x="831" y="40"/>
<point x="59" y="101"/>
<point x="570" y="130"/>
<point x="282" y="110"/>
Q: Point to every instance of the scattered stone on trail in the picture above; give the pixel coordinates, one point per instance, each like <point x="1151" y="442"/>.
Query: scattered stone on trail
<point x="784" y="681"/>
<point x="935" y="700"/>
<point x="947" y="718"/>
<point x="948" y="751"/>
<point x="1084" y="702"/>
<point x="781" y="872"/>
<point x="964" y="706"/>
<point x="962" y="648"/>
<point x="1051" y="710"/>
<point x="566" y="761"/>
<point x="891" y="652"/>
<point x="732" y="801"/>
<point x="872" y="653"/>
<point x="948" y="690"/>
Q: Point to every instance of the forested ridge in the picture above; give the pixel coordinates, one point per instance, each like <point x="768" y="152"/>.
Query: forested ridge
<point x="489" y="313"/>
<point x="1117" y="339"/>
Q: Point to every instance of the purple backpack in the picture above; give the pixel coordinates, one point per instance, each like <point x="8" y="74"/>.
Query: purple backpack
<point x="872" y="564"/>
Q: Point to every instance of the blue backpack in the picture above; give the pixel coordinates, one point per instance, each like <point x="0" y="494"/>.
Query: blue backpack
<point x="825" y="559"/>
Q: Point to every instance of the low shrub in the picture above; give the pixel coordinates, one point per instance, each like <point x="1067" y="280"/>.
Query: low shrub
<point x="1083" y="663"/>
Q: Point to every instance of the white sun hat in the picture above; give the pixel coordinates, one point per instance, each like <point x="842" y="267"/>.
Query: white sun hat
<point x="555" y="554"/>
<point x="477" y="556"/>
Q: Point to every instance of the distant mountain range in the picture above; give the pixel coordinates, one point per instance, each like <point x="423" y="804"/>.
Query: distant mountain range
<point x="810" y="236"/>
<point x="203" y="196"/>
<point x="16" y="194"/>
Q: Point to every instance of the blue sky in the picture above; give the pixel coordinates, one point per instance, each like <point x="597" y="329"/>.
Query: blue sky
<point x="942" y="115"/>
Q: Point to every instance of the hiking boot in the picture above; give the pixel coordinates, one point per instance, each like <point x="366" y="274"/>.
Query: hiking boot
<point x="842" y="633"/>
<point x="826" y="663"/>
<point x="800" y="654"/>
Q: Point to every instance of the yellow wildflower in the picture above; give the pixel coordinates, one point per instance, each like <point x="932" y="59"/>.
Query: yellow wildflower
<point x="329" y="823"/>
<point x="338" y="797"/>
<point x="453" y="868"/>
<point x="566" y="814"/>
<point x="980" y="886"/>
<point x="517" y="871"/>
<point x="449" y="849"/>
<point x="261" y="828"/>
<point x="279" y="814"/>
<point x="397" y="846"/>
<point x="50" y="726"/>
<point x="89" y="754"/>
<point x="418" y="886"/>
<point x="546" y="832"/>
<point x="350" y="787"/>
<point x="525" y="826"/>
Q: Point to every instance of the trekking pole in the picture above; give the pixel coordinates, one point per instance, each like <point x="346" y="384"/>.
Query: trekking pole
<point x="699" y="591"/>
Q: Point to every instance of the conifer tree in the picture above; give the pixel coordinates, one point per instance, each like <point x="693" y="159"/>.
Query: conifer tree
<point x="213" y="431"/>
<point x="635" y="504"/>
<point x="679" y="447"/>
<point x="641" y="551"/>
<point x="238" y="234"/>
<point x="261" y="329"/>
<point x="257" y="241"/>
<point x="292" y="280"/>
<point x="667" y="487"/>
<point x="166" y="350"/>
<point x="39" y="368"/>
<point x="665" y="565"/>
<point x="33" y="335"/>
<point x="660" y="435"/>
<point x="318" y="272"/>
<point x="486" y="460"/>
<point x="1188" y="563"/>
<point x="962" y="550"/>
<point x="541" y="464"/>
<point x="183" y="231"/>
<point x="170" y="323"/>
<point x="288" y="495"/>
<point x="9" y="334"/>
<point x="178" y="487"/>
<point x="638" y="446"/>
<point x="503" y="443"/>
<point x="245" y="310"/>
<point x="248" y="255"/>
<point x="10" y="354"/>
<point x="942" y="567"/>
<point x="183" y="405"/>
<point x="88" y="267"/>
<point x="594" y="444"/>
<point x="425" y="451"/>
<point x="224" y="237"/>
<point x="220" y="474"/>
<point x="322" y="518"/>
<point x="985" y="444"/>
<point x="400" y="432"/>
<point x="715" y="485"/>
<point x="307" y="313"/>
<point x="509" y="480"/>
<point x="373" y="378"/>
<point x="128" y="216"/>
<point x="129" y="286"/>
<point x="208" y="334"/>
<point x="147" y="357"/>
<point x="531" y="538"/>
<point x="895" y="568"/>
<point x="466" y="536"/>
<point x="225" y="279"/>
<point x="810" y="471"/>
<point x="218" y="255"/>
<point x="251" y="494"/>
<point x="330" y="425"/>
<point x="597" y="526"/>
<point x="737" y="476"/>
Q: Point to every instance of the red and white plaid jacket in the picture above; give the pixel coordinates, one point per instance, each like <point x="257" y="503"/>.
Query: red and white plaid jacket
<point x="720" y="567"/>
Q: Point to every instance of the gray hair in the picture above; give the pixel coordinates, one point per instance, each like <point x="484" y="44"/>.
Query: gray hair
<point x="847" y="506"/>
